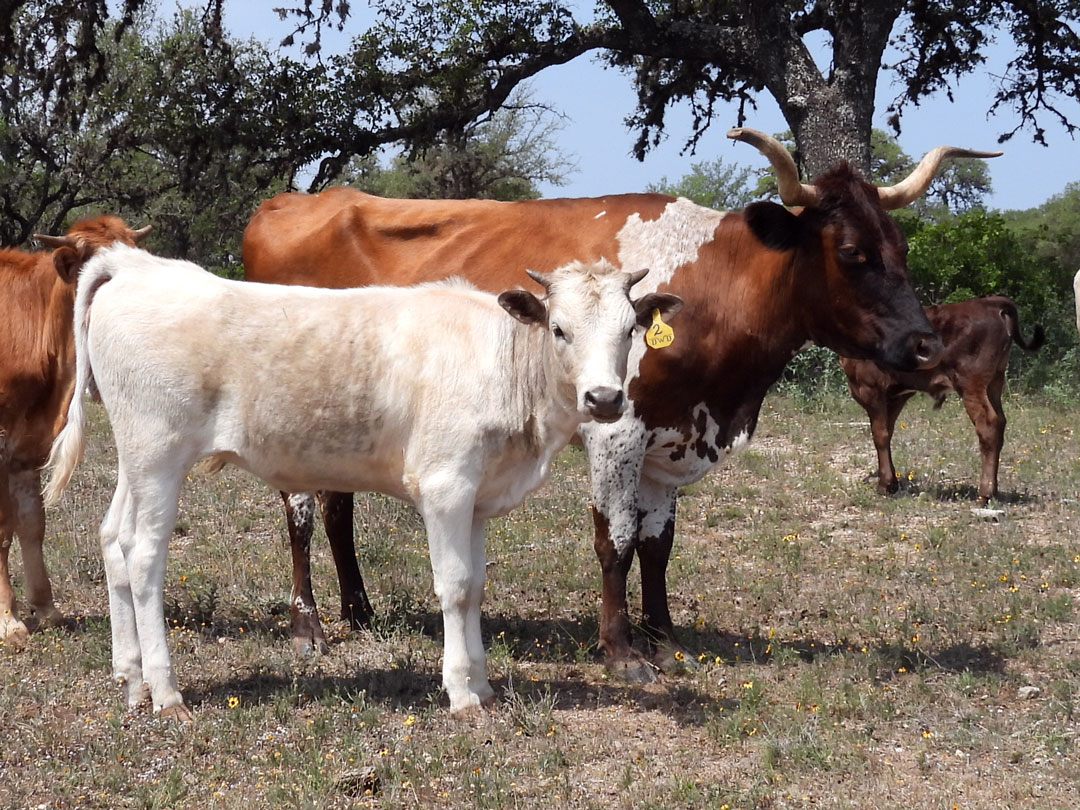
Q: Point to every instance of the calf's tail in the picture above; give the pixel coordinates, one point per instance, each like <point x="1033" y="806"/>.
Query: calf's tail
<point x="67" y="448"/>
<point x="1012" y="322"/>
<point x="1076" y="295"/>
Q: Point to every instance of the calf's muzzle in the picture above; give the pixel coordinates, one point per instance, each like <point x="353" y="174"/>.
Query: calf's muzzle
<point x="605" y="404"/>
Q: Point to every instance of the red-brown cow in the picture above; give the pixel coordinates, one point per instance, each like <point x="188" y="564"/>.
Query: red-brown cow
<point x="977" y="335"/>
<point x="757" y="283"/>
<point x="37" y="372"/>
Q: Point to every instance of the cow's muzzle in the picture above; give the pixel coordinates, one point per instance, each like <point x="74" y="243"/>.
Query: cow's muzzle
<point x="919" y="351"/>
<point x="605" y="404"/>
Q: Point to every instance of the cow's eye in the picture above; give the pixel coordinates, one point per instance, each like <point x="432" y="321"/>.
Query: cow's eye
<point x="557" y="331"/>
<point x="851" y="253"/>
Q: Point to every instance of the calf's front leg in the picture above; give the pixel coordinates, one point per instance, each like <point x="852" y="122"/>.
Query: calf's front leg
<point x="456" y="547"/>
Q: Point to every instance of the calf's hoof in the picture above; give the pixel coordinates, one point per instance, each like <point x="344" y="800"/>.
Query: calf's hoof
<point x="474" y="706"/>
<point x="179" y="713"/>
<point x="889" y="487"/>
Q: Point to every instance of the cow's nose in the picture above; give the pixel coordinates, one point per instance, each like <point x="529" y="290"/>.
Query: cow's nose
<point x="605" y="404"/>
<point x="927" y="351"/>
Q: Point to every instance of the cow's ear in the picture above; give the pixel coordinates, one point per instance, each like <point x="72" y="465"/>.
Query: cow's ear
<point x="524" y="306"/>
<point x="668" y="304"/>
<point x="69" y="260"/>
<point x="773" y="224"/>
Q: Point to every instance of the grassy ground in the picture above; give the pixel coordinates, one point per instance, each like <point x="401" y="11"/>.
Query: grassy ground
<point x="852" y="650"/>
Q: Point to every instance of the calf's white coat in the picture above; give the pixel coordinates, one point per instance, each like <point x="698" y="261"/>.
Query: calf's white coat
<point x="431" y="394"/>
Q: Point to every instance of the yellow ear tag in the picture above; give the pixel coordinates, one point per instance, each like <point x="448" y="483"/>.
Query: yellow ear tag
<point x="659" y="334"/>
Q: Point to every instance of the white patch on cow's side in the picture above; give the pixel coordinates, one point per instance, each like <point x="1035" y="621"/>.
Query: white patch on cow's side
<point x="303" y="507"/>
<point x="667" y="242"/>
<point x="662" y="245"/>
<point x="601" y="214"/>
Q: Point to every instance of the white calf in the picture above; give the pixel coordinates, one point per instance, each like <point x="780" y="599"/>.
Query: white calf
<point x="430" y="394"/>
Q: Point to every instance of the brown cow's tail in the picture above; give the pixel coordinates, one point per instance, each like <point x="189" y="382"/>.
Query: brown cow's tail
<point x="67" y="449"/>
<point x="1012" y="323"/>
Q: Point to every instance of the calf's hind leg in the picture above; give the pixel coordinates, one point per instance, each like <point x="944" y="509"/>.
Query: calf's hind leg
<point x="126" y="655"/>
<point x="144" y="541"/>
<point x="987" y="415"/>
<point x="30" y="527"/>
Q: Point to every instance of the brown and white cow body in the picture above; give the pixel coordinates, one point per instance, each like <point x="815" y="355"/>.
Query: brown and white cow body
<point x="432" y="394"/>
<point x="758" y="284"/>
<point x="977" y="335"/>
<point x="37" y="371"/>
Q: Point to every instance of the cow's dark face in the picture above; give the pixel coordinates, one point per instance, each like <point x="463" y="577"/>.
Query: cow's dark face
<point x="850" y="261"/>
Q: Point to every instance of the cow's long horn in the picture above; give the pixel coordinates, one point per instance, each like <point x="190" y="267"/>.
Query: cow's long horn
<point x="55" y="241"/>
<point x="792" y="192"/>
<point x="141" y="232"/>
<point x="543" y="279"/>
<point x="636" y="276"/>
<point x="912" y="187"/>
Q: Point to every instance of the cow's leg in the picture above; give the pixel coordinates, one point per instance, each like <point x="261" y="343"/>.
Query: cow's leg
<point x="307" y="634"/>
<point x="337" y="512"/>
<point x="615" y="459"/>
<point x="657" y="507"/>
<point x="119" y="523"/>
<point x="12" y="629"/>
<point x="616" y="641"/>
<point x="984" y="408"/>
<point x="456" y="547"/>
<point x="30" y="528"/>
<point x="155" y="501"/>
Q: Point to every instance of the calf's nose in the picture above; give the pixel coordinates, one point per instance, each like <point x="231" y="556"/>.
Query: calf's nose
<point x="605" y="404"/>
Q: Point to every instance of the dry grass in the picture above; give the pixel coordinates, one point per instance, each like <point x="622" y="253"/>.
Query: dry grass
<point x="853" y="651"/>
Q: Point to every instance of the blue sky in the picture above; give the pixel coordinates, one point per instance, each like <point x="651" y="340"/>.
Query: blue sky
<point x="596" y="102"/>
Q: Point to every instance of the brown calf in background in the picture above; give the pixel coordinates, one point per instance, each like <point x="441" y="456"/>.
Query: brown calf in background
<point x="977" y="335"/>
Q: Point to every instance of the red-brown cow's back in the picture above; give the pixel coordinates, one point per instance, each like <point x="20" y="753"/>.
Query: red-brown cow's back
<point x="342" y="237"/>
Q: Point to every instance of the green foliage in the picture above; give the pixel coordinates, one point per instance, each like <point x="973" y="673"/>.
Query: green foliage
<point x="711" y="183"/>
<point x="500" y="158"/>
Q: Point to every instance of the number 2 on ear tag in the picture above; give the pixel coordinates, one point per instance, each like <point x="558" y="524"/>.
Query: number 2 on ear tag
<point x="659" y="334"/>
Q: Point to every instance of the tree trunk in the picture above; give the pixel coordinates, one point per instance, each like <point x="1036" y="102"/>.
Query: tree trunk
<point x="831" y="116"/>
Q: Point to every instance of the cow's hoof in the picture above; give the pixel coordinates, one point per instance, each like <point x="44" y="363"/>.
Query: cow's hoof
<point x="47" y="616"/>
<point x="179" y="713"/>
<point x="632" y="669"/>
<point x="674" y="661"/>
<point x="310" y="647"/>
<point x="13" y="631"/>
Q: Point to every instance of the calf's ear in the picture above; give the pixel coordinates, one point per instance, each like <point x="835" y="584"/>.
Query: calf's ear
<point x="69" y="260"/>
<point x="524" y="306"/>
<point x="668" y="304"/>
